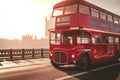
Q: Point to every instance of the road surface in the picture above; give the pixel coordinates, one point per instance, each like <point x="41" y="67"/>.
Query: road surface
<point x="45" y="71"/>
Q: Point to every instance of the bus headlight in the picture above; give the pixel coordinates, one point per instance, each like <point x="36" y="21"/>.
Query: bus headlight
<point x="51" y="54"/>
<point x="73" y="56"/>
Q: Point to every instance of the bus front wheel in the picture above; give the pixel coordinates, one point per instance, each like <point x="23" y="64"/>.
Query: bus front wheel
<point x="84" y="62"/>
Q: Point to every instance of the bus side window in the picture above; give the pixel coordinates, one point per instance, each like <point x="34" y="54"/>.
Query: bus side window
<point x="85" y="40"/>
<point x="94" y="12"/>
<point x="104" y="39"/>
<point x="116" y="40"/>
<point x="70" y="40"/>
<point x="111" y="40"/>
<point x="79" y="39"/>
<point x="96" y="39"/>
<point x="103" y="15"/>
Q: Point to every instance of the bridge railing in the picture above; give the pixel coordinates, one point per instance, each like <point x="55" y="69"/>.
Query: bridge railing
<point x="18" y="54"/>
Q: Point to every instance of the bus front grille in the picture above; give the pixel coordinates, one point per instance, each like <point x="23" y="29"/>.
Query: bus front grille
<point x="60" y="57"/>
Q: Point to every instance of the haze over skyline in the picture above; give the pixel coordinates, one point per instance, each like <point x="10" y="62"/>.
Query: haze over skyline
<point x="21" y="17"/>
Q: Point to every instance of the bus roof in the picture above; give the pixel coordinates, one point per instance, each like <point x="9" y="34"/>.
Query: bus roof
<point x="68" y="2"/>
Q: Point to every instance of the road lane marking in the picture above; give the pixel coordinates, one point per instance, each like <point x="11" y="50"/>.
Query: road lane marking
<point x="66" y="77"/>
<point x="86" y="72"/>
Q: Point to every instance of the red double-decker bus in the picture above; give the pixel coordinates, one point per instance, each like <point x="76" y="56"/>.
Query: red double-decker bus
<point x="83" y="34"/>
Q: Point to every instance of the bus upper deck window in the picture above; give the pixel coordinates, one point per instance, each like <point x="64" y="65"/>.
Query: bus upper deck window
<point x="116" y="20"/>
<point x="109" y="17"/>
<point x="71" y="9"/>
<point x="94" y="12"/>
<point x="84" y="9"/>
<point x="58" y="11"/>
<point x="103" y="15"/>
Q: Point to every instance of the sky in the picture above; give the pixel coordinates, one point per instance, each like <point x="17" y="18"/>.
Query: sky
<point x="22" y="17"/>
<point x="110" y="5"/>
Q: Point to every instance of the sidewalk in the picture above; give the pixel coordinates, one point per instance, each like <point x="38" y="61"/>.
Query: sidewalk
<point x="19" y="63"/>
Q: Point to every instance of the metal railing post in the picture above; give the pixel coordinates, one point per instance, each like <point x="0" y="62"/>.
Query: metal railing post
<point x="42" y="53"/>
<point x="33" y="53"/>
<point x="23" y="54"/>
<point x="11" y="55"/>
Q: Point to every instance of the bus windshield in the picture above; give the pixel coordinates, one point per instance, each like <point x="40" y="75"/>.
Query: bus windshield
<point x="67" y="38"/>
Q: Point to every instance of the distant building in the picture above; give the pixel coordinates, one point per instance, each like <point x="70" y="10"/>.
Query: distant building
<point x="27" y="37"/>
<point x="28" y="42"/>
<point x="35" y="37"/>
